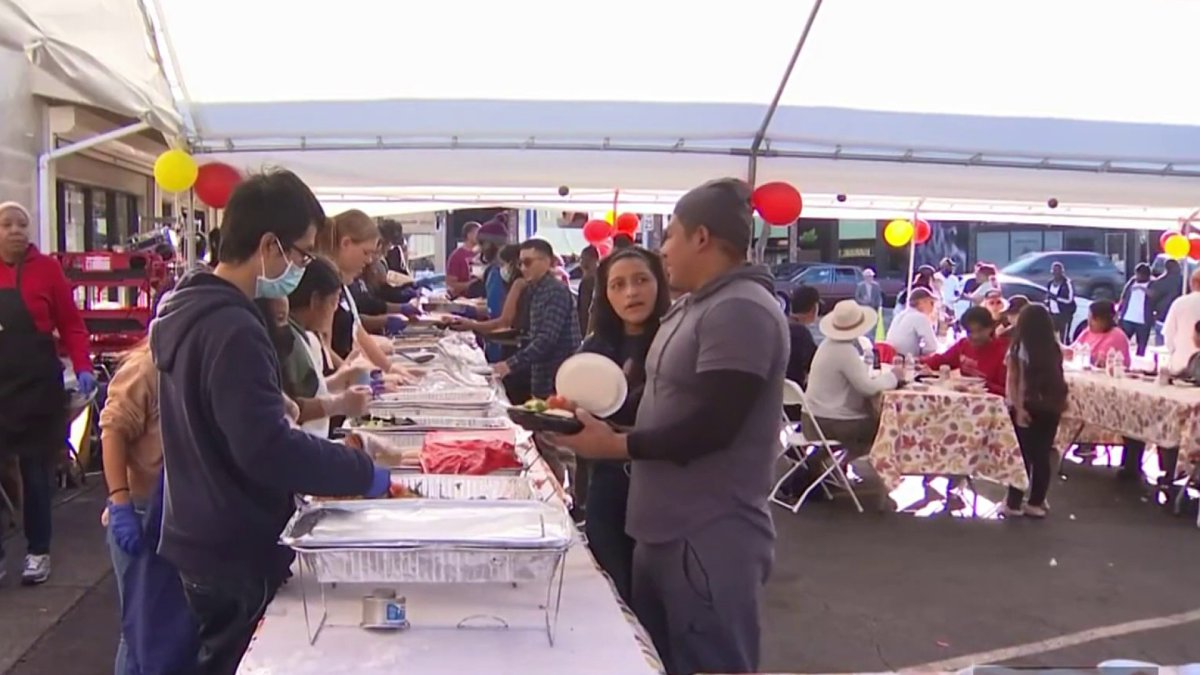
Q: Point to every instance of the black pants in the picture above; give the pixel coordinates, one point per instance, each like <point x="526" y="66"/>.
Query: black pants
<point x="227" y="611"/>
<point x="1062" y="326"/>
<point x="37" y="487"/>
<point x="607" y="498"/>
<point x="1131" y="459"/>
<point x="1139" y="332"/>
<point x="1037" y="447"/>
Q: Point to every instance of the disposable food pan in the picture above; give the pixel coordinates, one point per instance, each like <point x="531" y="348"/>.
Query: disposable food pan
<point x="434" y="541"/>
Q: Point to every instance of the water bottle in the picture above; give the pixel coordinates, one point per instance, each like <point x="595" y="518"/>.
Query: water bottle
<point x="910" y="367"/>
<point x="1086" y="350"/>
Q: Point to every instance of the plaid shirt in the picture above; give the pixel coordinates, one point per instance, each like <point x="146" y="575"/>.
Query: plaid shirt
<point x="553" y="334"/>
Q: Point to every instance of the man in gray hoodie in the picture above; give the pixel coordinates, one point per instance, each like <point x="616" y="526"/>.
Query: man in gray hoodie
<point x="705" y="441"/>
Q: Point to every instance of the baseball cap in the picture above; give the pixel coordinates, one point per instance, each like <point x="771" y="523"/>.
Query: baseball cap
<point x="723" y="206"/>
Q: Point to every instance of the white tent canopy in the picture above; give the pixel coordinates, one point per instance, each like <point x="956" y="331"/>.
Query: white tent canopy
<point x="950" y="101"/>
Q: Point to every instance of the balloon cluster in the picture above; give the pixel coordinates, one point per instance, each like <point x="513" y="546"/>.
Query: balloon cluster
<point x="599" y="232"/>
<point x="900" y="232"/>
<point x="177" y="171"/>
<point x="1177" y="247"/>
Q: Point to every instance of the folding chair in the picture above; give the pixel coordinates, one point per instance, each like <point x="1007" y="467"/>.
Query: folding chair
<point x="796" y="440"/>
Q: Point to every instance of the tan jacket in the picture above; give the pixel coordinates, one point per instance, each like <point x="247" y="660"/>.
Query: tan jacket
<point x="131" y="413"/>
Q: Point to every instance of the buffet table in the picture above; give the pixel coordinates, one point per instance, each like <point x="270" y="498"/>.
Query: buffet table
<point x="460" y="627"/>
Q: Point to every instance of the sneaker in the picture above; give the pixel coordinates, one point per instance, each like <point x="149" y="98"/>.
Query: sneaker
<point x="37" y="570"/>
<point x="1010" y="512"/>
<point x="1032" y="511"/>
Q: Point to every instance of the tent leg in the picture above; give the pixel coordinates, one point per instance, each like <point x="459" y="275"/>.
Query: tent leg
<point x="45" y="189"/>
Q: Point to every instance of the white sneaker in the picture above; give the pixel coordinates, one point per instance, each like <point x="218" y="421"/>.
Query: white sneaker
<point x="37" y="570"/>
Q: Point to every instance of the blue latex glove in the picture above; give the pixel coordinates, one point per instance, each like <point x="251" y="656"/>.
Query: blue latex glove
<point x="395" y="324"/>
<point x="126" y="528"/>
<point x="87" y="382"/>
<point x="379" y="484"/>
<point x="409" y="310"/>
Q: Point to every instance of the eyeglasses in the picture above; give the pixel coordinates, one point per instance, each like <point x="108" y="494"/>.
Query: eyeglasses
<point x="528" y="262"/>
<point x="305" y="256"/>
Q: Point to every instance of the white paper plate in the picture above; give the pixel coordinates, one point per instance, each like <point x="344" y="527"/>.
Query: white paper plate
<point x="592" y="382"/>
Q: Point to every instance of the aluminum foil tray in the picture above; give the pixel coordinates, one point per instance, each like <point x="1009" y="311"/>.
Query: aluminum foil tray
<point x="439" y="486"/>
<point x="459" y="397"/>
<point x="416" y="523"/>
<point x="430" y="565"/>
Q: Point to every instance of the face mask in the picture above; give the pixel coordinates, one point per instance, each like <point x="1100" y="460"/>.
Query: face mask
<point x="506" y="274"/>
<point x="281" y="286"/>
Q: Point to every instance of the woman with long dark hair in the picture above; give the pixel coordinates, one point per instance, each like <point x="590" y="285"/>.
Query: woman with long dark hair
<point x="1037" y="394"/>
<point x="631" y="297"/>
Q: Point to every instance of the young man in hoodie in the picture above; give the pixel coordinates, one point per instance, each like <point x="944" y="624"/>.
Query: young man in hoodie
<point x="705" y="442"/>
<point x="232" y="461"/>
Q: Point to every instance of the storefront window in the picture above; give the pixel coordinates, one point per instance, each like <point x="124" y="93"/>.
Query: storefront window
<point x="73" y="219"/>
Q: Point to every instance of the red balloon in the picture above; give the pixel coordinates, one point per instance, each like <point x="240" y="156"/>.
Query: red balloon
<point x="596" y="231"/>
<point x="628" y="223"/>
<point x="778" y="203"/>
<point x="921" y="231"/>
<point x="1194" y="240"/>
<point x="215" y="184"/>
<point x="604" y="247"/>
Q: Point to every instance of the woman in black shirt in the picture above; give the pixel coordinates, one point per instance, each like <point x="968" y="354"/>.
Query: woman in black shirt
<point x="631" y="297"/>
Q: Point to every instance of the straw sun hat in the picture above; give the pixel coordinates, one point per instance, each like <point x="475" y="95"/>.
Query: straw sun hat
<point x="848" y="321"/>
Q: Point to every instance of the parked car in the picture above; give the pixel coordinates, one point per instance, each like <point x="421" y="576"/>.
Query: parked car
<point x="1010" y="286"/>
<point x="835" y="283"/>
<point x="1094" y="275"/>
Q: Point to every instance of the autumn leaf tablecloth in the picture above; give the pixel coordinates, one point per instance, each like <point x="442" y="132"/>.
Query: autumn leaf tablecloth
<point x="1102" y="409"/>
<point x="941" y="432"/>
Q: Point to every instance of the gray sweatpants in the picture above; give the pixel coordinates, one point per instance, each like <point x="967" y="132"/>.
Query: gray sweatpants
<point x="699" y="596"/>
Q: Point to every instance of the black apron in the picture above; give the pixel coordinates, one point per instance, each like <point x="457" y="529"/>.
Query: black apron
<point x="33" y="401"/>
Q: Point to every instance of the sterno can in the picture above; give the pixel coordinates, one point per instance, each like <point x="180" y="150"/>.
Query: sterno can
<point x="382" y="609"/>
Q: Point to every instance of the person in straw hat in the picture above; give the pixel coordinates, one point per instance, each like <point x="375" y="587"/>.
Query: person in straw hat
<point x="840" y="385"/>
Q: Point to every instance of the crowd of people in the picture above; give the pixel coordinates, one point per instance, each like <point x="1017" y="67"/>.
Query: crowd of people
<point x="1014" y="346"/>
<point x="231" y="405"/>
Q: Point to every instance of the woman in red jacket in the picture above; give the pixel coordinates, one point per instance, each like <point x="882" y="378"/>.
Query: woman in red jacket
<point x="35" y="303"/>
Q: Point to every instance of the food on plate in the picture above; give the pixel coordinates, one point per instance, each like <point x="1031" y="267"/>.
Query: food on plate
<point x="469" y="452"/>
<point x="559" y="412"/>
<point x="556" y="402"/>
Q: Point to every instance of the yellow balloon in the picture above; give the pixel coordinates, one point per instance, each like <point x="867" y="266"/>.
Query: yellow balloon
<point x="898" y="232"/>
<point x="175" y="171"/>
<point x="610" y="217"/>
<point x="1177" y="246"/>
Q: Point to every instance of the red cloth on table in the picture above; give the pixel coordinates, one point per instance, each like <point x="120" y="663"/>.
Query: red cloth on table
<point x="475" y="453"/>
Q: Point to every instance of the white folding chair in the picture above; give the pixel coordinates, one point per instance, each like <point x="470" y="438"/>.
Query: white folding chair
<point x="809" y="449"/>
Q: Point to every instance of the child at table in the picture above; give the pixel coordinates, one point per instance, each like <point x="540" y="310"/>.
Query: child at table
<point x="1037" y="396"/>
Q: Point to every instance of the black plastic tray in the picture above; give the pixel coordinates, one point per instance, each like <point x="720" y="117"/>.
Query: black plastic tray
<point x="535" y="421"/>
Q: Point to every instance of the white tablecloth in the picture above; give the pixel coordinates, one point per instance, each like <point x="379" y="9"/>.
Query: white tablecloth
<point x="594" y="635"/>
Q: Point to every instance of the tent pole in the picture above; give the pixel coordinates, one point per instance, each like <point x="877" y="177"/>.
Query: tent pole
<point x="760" y="248"/>
<point x="45" y="189"/>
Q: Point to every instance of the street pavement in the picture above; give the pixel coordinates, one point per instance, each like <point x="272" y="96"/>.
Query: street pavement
<point x="849" y="592"/>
